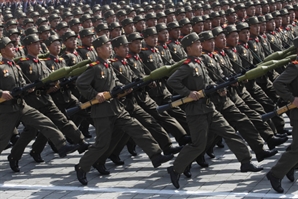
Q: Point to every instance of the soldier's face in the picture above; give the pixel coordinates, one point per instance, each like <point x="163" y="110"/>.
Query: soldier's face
<point x="220" y="41"/>
<point x="15" y="38"/>
<point x="130" y="28"/>
<point x="34" y="48"/>
<point x="286" y="19"/>
<point x="151" y="40"/>
<point x="258" y="10"/>
<point x="75" y="28"/>
<point x="207" y="24"/>
<point x="8" y="51"/>
<point x="262" y="27"/>
<point x="233" y="39"/>
<point x="244" y="35"/>
<point x="87" y="40"/>
<point x="208" y="45"/>
<point x="254" y="29"/>
<point x="162" y="20"/>
<point x="292" y="16"/>
<point x="265" y="9"/>
<point x="71" y="43"/>
<point x="116" y="32"/>
<point x="87" y="24"/>
<point x="104" y="32"/>
<point x="232" y="18"/>
<point x="171" y="18"/>
<point x="163" y="36"/>
<point x="195" y="49"/>
<point x="278" y="22"/>
<point x="198" y="27"/>
<point x="216" y="22"/>
<point x="241" y="13"/>
<point x="122" y="51"/>
<point x="270" y="25"/>
<point x="175" y="33"/>
<point x="251" y="11"/>
<point x="181" y="16"/>
<point x="135" y="46"/>
<point x="186" y="29"/>
<point x="104" y="51"/>
<point x="151" y="22"/>
<point x="132" y="14"/>
<point x="55" y="48"/>
<point x="140" y="26"/>
<point x="189" y="15"/>
<point x="29" y="25"/>
<point x="45" y="35"/>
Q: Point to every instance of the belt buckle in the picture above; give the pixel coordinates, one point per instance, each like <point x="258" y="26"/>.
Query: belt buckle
<point x="38" y="92"/>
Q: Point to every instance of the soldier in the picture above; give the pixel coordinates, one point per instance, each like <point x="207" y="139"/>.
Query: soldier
<point x="128" y="26"/>
<point x="15" y="109"/>
<point x="163" y="38"/>
<point x="35" y="70"/>
<point x="250" y="9"/>
<point x="115" y="30"/>
<point x="265" y="7"/>
<point x="139" y="23"/>
<point x="152" y="60"/>
<point x="207" y="22"/>
<point x="170" y="15"/>
<point x="62" y="28"/>
<point x="44" y="34"/>
<point x="241" y="12"/>
<point x="109" y="115"/>
<point x="151" y="20"/>
<point x="197" y="24"/>
<point x="286" y="27"/>
<point x="275" y="42"/>
<point x="86" y="21"/>
<point x="54" y="20"/>
<point x="185" y="27"/>
<point x="126" y="76"/>
<point x="102" y="29"/>
<point x="161" y="17"/>
<point x="174" y="44"/>
<point x="286" y="86"/>
<point x="14" y="36"/>
<point x="201" y="114"/>
<point x="215" y="19"/>
<point x="231" y="16"/>
<point x="86" y="50"/>
<point x="248" y="50"/>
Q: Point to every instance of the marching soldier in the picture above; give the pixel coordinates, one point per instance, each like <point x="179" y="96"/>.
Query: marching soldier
<point x="87" y="51"/>
<point x="108" y="115"/>
<point x="286" y="86"/>
<point x="202" y="117"/>
<point x="15" y="110"/>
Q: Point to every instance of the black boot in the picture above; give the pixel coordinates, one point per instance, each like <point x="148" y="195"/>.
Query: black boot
<point x="66" y="149"/>
<point x="201" y="161"/>
<point x="184" y="140"/>
<point x="101" y="168"/>
<point x="210" y="153"/>
<point x="187" y="172"/>
<point x="276" y="141"/>
<point x="265" y="154"/>
<point x="172" y="150"/>
<point x="245" y="167"/>
<point x="54" y="149"/>
<point x="131" y="147"/>
<point x="157" y="160"/>
<point x="83" y="147"/>
<point x="14" y="164"/>
<point x="81" y="175"/>
<point x="84" y="128"/>
<point x="290" y="175"/>
<point x="116" y="159"/>
<point x="36" y="156"/>
<point x="174" y="177"/>
<point x="275" y="182"/>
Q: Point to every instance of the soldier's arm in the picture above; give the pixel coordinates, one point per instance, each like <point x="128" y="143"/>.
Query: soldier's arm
<point x="84" y="83"/>
<point x="175" y="80"/>
<point x="280" y="84"/>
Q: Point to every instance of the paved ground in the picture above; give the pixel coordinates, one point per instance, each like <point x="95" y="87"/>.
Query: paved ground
<point x="137" y="179"/>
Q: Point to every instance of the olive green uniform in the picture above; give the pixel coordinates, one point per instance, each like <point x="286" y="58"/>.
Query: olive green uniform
<point x="202" y="117"/>
<point x="109" y="115"/>
<point x="286" y="87"/>
<point x="176" y="50"/>
<point x="16" y="110"/>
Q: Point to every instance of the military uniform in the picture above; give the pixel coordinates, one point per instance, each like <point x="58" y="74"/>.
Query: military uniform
<point x="174" y="45"/>
<point x="286" y="86"/>
<point x="192" y="76"/>
<point x="16" y="110"/>
<point x="108" y="115"/>
<point x="87" y="52"/>
<point x="160" y="94"/>
<point x="35" y="70"/>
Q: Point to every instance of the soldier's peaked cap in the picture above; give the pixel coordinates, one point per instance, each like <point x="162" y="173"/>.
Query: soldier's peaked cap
<point x="189" y="39"/>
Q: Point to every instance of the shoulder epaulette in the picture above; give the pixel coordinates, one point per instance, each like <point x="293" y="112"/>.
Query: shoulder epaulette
<point x="295" y="62"/>
<point x="114" y="60"/>
<point x="24" y="59"/>
<point x="187" y="61"/>
<point x="94" y="63"/>
<point x="45" y="59"/>
<point x="144" y="48"/>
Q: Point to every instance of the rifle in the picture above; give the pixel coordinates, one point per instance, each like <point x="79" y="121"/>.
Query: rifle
<point x="277" y="112"/>
<point x="154" y="75"/>
<point x="248" y="75"/>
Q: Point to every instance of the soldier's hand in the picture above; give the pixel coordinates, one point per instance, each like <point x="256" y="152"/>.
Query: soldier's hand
<point x="129" y="90"/>
<point x="222" y="92"/>
<point x="152" y="84"/>
<point x="295" y="102"/>
<point x="31" y="90"/>
<point x="6" y="95"/>
<point x="194" y="95"/>
<point x="53" y="89"/>
<point x="100" y="97"/>
<point x="236" y="84"/>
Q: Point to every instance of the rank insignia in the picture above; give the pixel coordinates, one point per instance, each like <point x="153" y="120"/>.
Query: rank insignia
<point x="162" y="53"/>
<point x="30" y="69"/>
<point x="135" y="65"/>
<point x="175" y="50"/>
<point x="120" y="70"/>
<point x="197" y="71"/>
<point x="5" y="73"/>
<point x="102" y="74"/>
<point x="53" y="68"/>
<point x="150" y="58"/>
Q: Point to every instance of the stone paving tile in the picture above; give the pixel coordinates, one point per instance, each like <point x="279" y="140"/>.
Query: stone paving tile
<point x="137" y="178"/>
